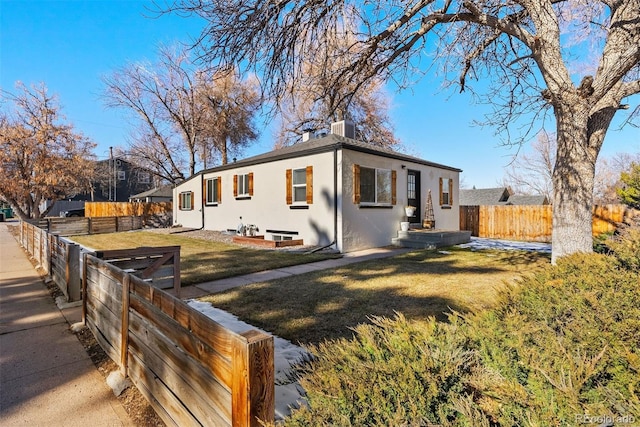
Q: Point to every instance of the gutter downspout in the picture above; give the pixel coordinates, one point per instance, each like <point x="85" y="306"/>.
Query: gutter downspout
<point x="202" y="199"/>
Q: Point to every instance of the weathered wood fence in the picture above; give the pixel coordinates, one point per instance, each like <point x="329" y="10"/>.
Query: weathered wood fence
<point x="533" y="223"/>
<point x="59" y="258"/>
<point x="159" y="265"/>
<point x="75" y="226"/>
<point x="191" y="369"/>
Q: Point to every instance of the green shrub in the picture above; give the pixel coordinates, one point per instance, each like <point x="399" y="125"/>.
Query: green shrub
<point x="392" y="373"/>
<point x="566" y="342"/>
<point x="626" y="247"/>
<point x="561" y="344"/>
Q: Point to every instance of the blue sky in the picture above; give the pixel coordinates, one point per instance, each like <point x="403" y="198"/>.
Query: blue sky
<point x="70" y="44"/>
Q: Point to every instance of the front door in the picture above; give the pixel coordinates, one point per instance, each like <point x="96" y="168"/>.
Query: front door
<point x="413" y="194"/>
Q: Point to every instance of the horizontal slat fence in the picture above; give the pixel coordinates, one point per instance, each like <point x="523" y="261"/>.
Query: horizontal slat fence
<point x="159" y="265"/>
<point x="533" y="223"/>
<point x="59" y="258"/>
<point x="191" y="369"/>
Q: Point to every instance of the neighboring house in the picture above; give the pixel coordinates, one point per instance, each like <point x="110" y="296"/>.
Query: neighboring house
<point x="160" y="194"/>
<point x="538" y="199"/>
<point x="498" y="196"/>
<point x="118" y="179"/>
<point x="329" y="191"/>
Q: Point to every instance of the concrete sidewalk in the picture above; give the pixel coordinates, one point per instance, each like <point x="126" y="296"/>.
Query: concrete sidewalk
<point x="46" y="376"/>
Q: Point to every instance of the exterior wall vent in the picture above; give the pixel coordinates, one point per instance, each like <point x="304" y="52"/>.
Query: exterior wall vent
<point x="306" y="136"/>
<point x="344" y="128"/>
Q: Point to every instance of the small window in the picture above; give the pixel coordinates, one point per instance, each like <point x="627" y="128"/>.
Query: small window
<point x="144" y="177"/>
<point x="122" y="175"/>
<point x="299" y="184"/>
<point x="446" y="197"/>
<point x="243" y="185"/>
<point x="186" y="201"/>
<point x="212" y="191"/>
<point x="281" y="237"/>
<point x="375" y="186"/>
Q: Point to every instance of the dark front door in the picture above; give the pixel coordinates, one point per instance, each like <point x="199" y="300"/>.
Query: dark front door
<point x="413" y="194"/>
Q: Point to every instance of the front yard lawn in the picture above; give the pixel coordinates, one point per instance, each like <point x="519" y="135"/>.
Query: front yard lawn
<point x="203" y="260"/>
<point x="326" y="304"/>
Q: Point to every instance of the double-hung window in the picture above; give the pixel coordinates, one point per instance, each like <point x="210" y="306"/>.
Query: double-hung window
<point x="212" y="191"/>
<point x="243" y="185"/>
<point x="299" y="185"/>
<point x="446" y="190"/>
<point x="186" y="201"/>
<point x="374" y="186"/>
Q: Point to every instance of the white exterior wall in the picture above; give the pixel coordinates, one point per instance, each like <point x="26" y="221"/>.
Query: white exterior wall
<point x="188" y="218"/>
<point x="357" y="227"/>
<point x="267" y="208"/>
<point x="363" y="228"/>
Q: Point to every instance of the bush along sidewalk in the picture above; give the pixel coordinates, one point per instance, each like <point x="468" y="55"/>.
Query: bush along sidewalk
<point x="561" y="348"/>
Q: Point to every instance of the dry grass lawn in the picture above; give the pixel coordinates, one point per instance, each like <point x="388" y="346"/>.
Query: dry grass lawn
<point x="202" y="260"/>
<point x="326" y="304"/>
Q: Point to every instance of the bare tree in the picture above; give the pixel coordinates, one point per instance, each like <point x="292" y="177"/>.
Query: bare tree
<point x="532" y="173"/>
<point x="41" y="157"/>
<point x="608" y="173"/>
<point x="176" y="106"/>
<point x="229" y="107"/>
<point x="305" y="106"/>
<point x="522" y="48"/>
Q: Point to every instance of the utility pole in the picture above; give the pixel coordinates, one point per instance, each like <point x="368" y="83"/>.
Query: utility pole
<point x="110" y="169"/>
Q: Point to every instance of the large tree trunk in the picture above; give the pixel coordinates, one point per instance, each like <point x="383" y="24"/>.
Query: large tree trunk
<point x="573" y="179"/>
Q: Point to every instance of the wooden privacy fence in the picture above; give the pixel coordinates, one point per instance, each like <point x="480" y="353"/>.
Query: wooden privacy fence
<point x="59" y="258"/>
<point x="533" y="223"/>
<point x="191" y="369"/>
<point x="100" y="209"/>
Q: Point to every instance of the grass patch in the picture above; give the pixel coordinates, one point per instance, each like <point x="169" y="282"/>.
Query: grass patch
<point x="203" y="260"/>
<point x="327" y="304"/>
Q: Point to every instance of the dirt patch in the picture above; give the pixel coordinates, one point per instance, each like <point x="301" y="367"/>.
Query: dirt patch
<point x="137" y="406"/>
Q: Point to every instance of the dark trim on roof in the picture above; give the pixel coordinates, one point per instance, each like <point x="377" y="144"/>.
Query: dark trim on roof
<point x="317" y="146"/>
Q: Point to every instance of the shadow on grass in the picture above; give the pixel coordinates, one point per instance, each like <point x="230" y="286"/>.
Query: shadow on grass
<point x="312" y="307"/>
<point x="205" y="266"/>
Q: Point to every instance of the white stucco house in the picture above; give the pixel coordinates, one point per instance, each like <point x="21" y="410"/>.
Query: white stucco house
<point x="328" y="191"/>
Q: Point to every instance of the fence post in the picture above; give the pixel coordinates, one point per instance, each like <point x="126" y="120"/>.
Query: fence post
<point x="252" y="389"/>
<point x="176" y="272"/>
<point x="124" y="331"/>
<point x="73" y="271"/>
<point x="84" y="288"/>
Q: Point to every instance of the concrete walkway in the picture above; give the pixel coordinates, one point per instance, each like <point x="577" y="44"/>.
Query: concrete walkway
<point x="46" y="376"/>
<point x="214" y="286"/>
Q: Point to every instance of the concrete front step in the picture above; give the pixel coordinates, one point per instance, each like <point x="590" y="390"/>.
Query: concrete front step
<point x="408" y="243"/>
<point x="431" y="239"/>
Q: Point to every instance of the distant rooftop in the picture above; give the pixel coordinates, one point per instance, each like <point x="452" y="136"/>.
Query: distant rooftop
<point x="498" y="196"/>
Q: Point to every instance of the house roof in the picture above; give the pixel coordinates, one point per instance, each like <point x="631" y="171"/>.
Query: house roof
<point x="498" y="196"/>
<point x="165" y="191"/>
<point x="321" y="145"/>
<point x="484" y="196"/>
<point x="538" y="199"/>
